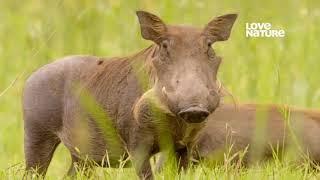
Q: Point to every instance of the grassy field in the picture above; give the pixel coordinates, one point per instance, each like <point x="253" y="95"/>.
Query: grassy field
<point x="263" y="70"/>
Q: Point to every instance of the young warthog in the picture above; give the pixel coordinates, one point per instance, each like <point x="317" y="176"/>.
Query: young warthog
<point x="171" y="83"/>
<point x="260" y="131"/>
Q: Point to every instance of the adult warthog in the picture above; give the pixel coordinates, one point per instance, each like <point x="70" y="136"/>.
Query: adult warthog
<point x="171" y="84"/>
<point x="260" y="132"/>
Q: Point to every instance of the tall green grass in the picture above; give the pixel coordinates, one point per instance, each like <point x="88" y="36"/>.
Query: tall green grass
<point x="263" y="70"/>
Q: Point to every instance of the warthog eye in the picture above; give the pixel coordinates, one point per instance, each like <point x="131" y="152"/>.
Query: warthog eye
<point x="209" y="43"/>
<point x="164" y="44"/>
<point x="211" y="53"/>
<point x="164" y="52"/>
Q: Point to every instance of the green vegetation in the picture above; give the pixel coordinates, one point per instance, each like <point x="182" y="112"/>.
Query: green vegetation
<point x="263" y="70"/>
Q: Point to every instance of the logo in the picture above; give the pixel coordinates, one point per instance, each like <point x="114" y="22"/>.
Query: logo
<point x="263" y="30"/>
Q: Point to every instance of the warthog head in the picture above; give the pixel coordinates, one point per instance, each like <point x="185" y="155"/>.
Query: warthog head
<point x="186" y="65"/>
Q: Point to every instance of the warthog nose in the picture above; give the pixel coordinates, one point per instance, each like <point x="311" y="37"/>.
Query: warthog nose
<point x="194" y="114"/>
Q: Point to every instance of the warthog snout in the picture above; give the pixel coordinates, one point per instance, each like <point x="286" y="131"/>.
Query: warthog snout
<point x="194" y="114"/>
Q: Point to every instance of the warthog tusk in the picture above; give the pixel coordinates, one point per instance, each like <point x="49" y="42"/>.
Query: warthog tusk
<point x="164" y="91"/>
<point x="219" y="85"/>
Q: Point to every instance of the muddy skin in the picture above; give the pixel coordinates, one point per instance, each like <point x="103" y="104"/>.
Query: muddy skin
<point x="175" y="77"/>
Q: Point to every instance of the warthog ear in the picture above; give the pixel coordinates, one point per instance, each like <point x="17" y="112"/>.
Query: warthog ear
<point x="219" y="28"/>
<point x="152" y="27"/>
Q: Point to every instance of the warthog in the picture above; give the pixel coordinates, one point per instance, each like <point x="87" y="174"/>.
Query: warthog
<point x="260" y="131"/>
<point x="172" y="82"/>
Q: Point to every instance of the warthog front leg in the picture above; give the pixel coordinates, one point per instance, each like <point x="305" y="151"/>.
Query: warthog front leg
<point x="142" y="151"/>
<point x="144" y="143"/>
<point x="142" y="164"/>
<point x="182" y="156"/>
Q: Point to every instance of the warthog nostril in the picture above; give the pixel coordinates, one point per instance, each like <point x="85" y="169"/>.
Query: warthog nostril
<point x="194" y="114"/>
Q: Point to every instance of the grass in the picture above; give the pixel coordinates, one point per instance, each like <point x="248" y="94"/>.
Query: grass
<point x="263" y="70"/>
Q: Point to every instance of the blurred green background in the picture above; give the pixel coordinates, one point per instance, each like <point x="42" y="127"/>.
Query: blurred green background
<point x="263" y="70"/>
